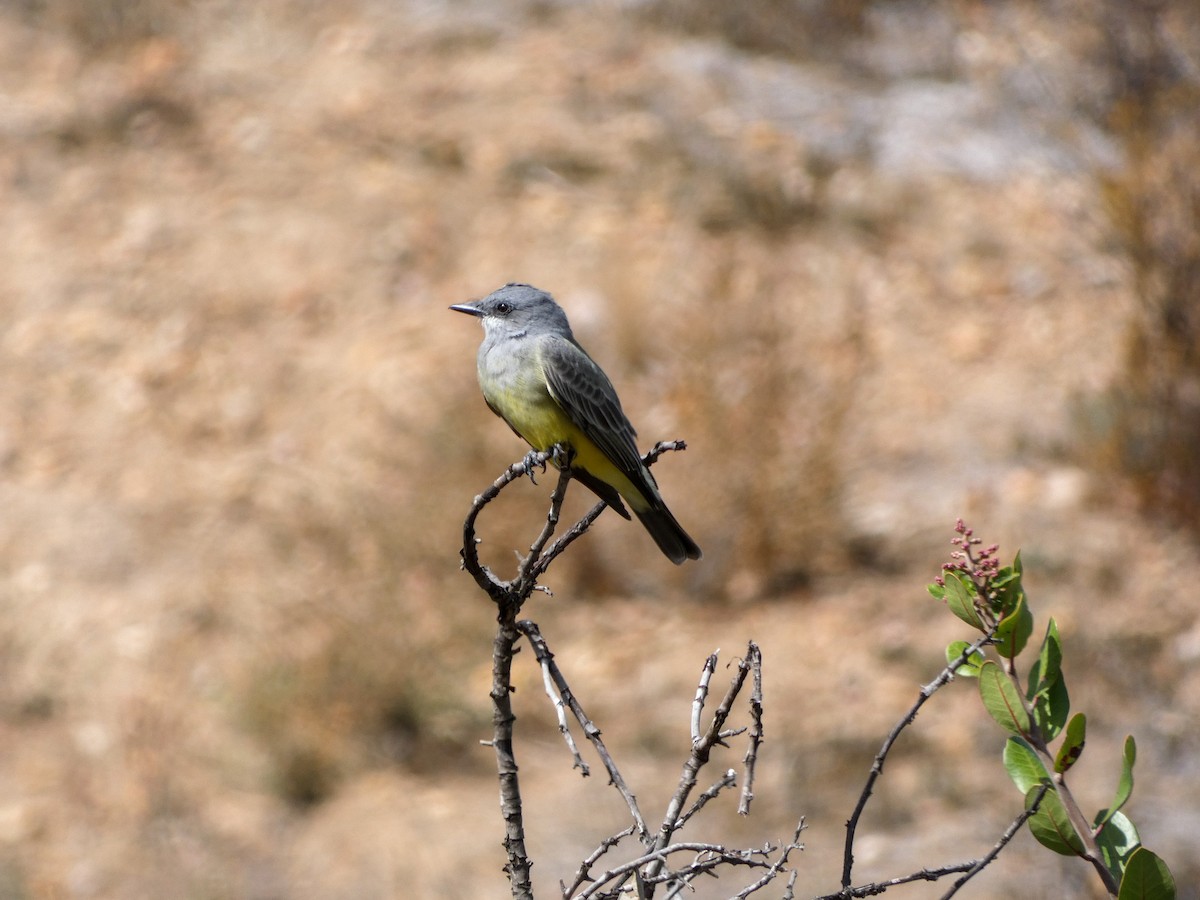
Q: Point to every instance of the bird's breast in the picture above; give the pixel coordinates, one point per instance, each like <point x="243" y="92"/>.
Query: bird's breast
<point x="510" y="376"/>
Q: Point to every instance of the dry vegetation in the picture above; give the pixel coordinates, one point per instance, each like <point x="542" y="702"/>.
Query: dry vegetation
<point x="940" y="260"/>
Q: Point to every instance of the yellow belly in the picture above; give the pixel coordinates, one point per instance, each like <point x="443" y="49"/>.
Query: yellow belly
<point x="543" y="424"/>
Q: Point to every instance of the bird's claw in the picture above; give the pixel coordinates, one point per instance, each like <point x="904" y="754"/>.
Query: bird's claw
<point x="532" y="462"/>
<point x="561" y="455"/>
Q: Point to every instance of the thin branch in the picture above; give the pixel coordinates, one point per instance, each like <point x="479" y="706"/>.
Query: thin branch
<point x="1009" y="832"/>
<point x="709" y="856"/>
<point x="546" y="658"/>
<point x="560" y="709"/>
<point x="772" y="873"/>
<point x="927" y="691"/>
<point x="567" y="538"/>
<point x="510" y="791"/>
<point x="727" y="780"/>
<point x="495" y="588"/>
<point x="879" y="887"/>
<point x="531" y="566"/>
<point x="750" y="760"/>
<point x="706" y="674"/>
<point x="701" y="751"/>
<point x="582" y="873"/>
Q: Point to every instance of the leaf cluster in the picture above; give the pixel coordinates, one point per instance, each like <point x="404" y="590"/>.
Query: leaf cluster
<point x="1045" y="740"/>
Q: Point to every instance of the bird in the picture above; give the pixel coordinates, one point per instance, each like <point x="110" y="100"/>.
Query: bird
<point x="537" y="378"/>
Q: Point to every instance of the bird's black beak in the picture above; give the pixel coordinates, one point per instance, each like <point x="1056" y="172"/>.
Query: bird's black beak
<point x="468" y="309"/>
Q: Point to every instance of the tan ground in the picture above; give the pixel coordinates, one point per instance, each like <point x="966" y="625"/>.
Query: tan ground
<point x="239" y="432"/>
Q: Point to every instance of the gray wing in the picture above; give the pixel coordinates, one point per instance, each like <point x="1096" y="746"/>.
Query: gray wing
<point x="586" y="395"/>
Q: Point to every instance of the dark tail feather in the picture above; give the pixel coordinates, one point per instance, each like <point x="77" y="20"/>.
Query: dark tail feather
<point x="603" y="490"/>
<point x="668" y="534"/>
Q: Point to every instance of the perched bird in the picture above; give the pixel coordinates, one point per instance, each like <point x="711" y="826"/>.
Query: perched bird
<point x="537" y="378"/>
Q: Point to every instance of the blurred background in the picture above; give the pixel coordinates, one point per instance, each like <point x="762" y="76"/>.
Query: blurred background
<point x="880" y="264"/>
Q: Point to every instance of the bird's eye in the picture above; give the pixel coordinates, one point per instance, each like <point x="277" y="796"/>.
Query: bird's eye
<point x="504" y="308"/>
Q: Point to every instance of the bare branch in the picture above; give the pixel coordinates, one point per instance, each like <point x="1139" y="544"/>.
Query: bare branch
<point x="701" y="751"/>
<point x="708" y="857"/>
<point x="727" y="780"/>
<point x="582" y="873"/>
<point x="879" y="887"/>
<point x="495" y="588"/>
<point x="970" y="867"/>
<point x="706" y="674"/>
<point x="927" y="691"/>
<point x="750" y="760"/>
<point x="772" y="873"/>
<point x="510" y="792"/>
<point x="1009" y="832"/>
<point x="560" y="710"/>
<point x="530" y="568"/>
<point x="546" y="658"/>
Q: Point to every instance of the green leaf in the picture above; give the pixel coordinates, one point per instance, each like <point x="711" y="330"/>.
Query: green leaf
<point x="1023" y="765"/>
<point x="1051" y="708"/>
<point x="1146" y="878"/>
<point x="1048" y="667"/>
<point x="937" y="590"/>
<point x="1001" y="699"/>
<point x="970" y="668"/>
<point x="1051" y="825"/>
<point x="1014" y="629"/>
<point x="1125" y="785"/>
<point x="1116" y="840"/>
<point x="960" y="598"/>
<point x="1072" y="746"/>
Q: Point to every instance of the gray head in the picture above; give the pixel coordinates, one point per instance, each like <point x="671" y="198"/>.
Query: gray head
<point x="516" y="310"/>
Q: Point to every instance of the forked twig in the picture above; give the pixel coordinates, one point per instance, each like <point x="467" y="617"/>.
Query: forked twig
<point x="927" y="691"/>
<point x="702" y="746"/>
<point x="583" y="873"/>
<point x="546" y="658"/>
<point x="1008" y="835"/>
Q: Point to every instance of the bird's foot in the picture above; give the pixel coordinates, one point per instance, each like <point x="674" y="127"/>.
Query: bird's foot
<point x="561" y="455"/>
<point x="532" y="462"/>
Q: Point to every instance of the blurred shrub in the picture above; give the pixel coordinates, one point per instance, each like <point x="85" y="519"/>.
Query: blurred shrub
<point x="782" y="27"/>
<point x="101" y="24"/>
<point x="1151" y="419"/>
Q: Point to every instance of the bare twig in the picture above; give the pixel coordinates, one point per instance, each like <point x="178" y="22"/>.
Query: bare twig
<point x="750" y="760"/>
<point x="706" y="674"/>
<point x="708" y="857"/>
<point x="927" y="691"/>
<point x="1009" y="832"/>
<point x="532" y="565"/>
<point x="560" y="709"/>
<point x="546" y="658"/>
<point x="772" y="873"/>
<point x="879" y="887"/>
<point x="701" y="751"/>
<point x="510" y="791"/>
<point x="727" y="780"/>
<point x="496" y="589"/>
<point x="584" y="870"/>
